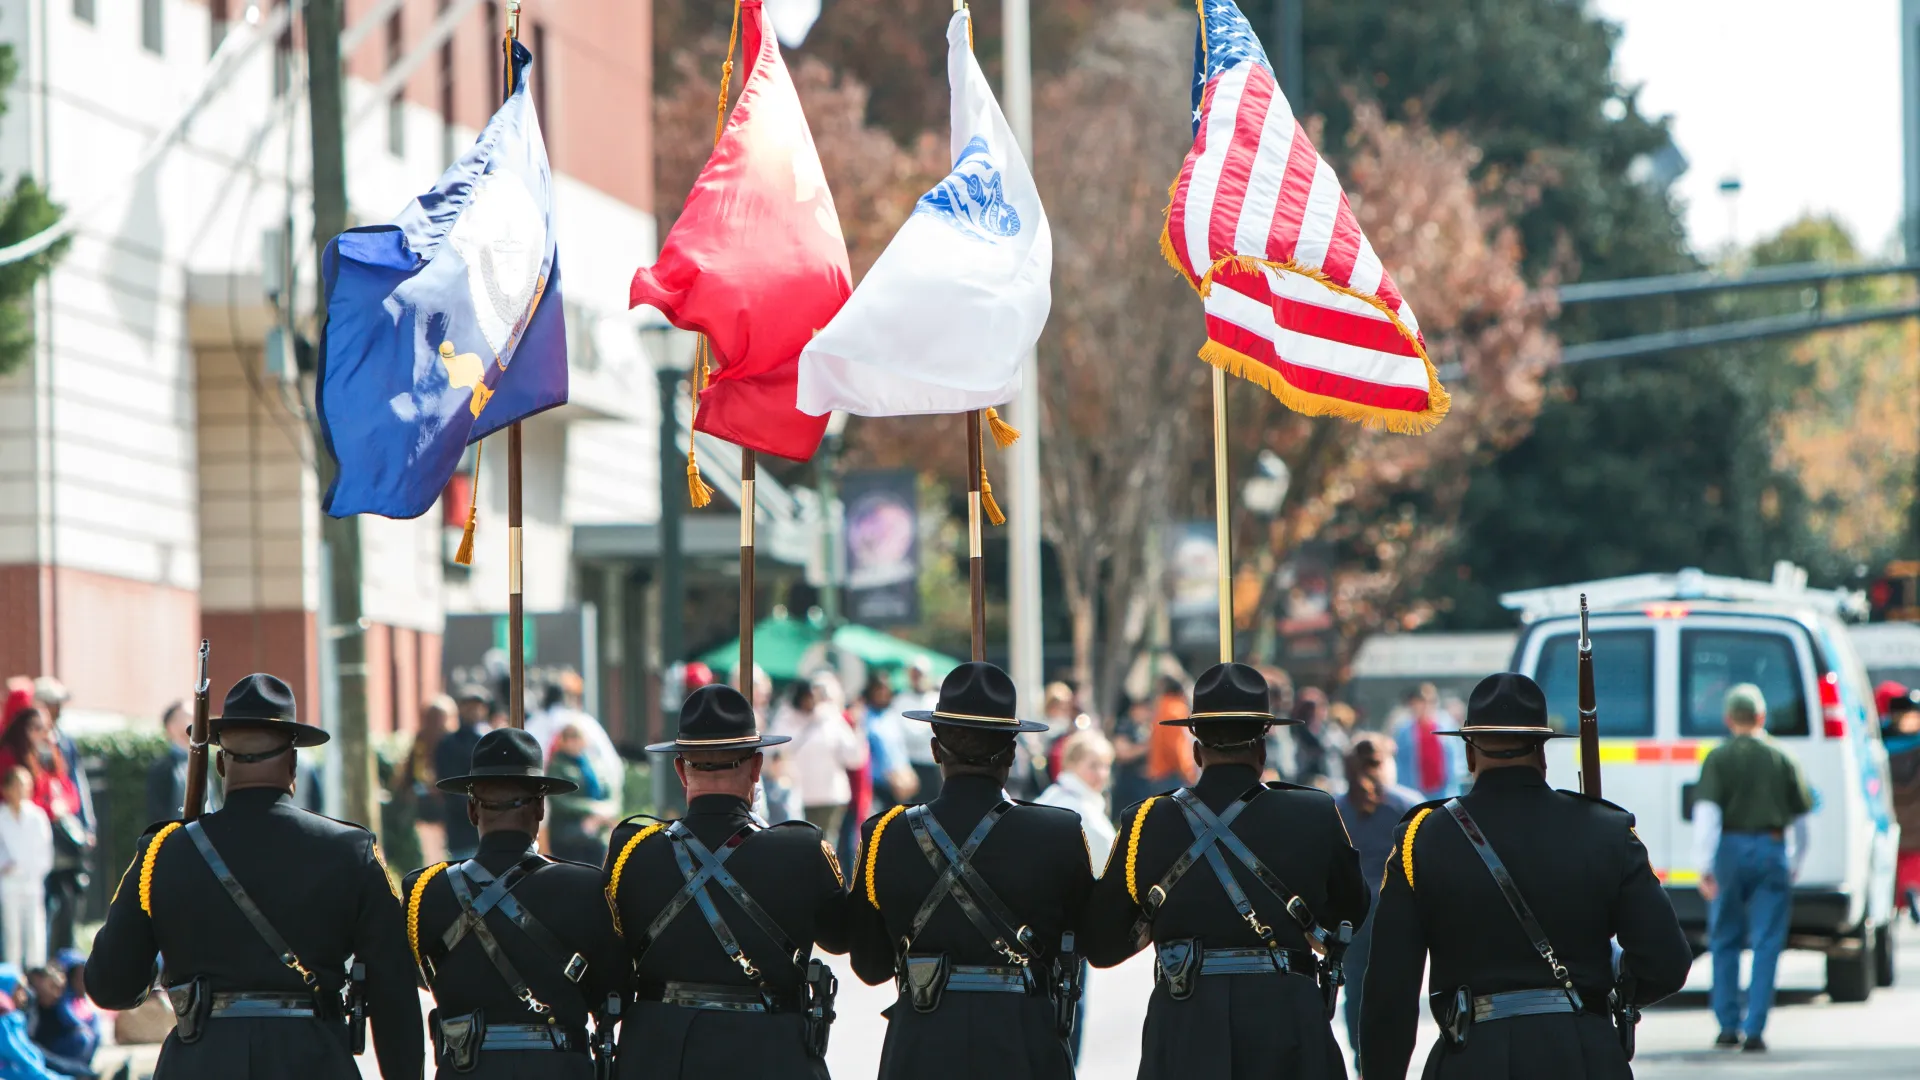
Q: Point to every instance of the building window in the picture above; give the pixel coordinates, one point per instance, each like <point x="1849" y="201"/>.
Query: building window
<point x="498" y="30"/>
<point x="83" y="10"/>
<point x="397" y="104"/>
<point x="540" y="78"/>
<point x="152" y="27"/>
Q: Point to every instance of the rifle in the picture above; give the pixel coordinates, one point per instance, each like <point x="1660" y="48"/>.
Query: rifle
<point x="196" y="795"/>
<point x="1589" y="712"/>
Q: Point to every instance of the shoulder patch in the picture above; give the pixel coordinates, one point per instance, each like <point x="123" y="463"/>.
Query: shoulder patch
<point x="833" y="862"/>
<point x="385" y="871"/>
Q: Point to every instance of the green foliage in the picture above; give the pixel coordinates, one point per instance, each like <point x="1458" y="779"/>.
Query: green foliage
<point x="117" y="765"/>
<point x="23" y="213"/>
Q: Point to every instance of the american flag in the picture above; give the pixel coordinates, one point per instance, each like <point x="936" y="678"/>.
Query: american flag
<point x="1296" y="300"/>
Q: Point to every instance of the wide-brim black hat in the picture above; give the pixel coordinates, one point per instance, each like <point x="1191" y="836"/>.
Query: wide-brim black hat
<point x="1230" y="693"/>
<point x="263" y="703"/>
<point x="511" y="755"/>
<point x="1507" y="703"/>
<point x="717" y="717"/>
<point x="976" y="695"/>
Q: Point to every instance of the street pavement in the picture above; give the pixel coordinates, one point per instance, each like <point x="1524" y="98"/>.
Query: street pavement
<point x="1811" y="1038"/>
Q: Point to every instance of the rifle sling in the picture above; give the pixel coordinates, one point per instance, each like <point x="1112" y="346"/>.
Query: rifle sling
<point x="1511" y="893"/>
<point x="254" y="916"/>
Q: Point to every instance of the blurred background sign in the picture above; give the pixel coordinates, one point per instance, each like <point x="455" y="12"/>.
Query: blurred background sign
<point x="882" y="547"/>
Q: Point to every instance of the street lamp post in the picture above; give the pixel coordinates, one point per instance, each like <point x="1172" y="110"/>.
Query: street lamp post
<point x="670" y="584"/>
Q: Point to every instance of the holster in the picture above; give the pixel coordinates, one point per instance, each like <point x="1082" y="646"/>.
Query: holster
<point x="1454" y="1013"/>
<point x="925" y="978"/>
<point x="1179" y="965"/>
<point x="1626" y="1016"/>
<point x="192" y="1003"/>
<point x="821" y="988"/>
<point x="1333" y="970"/>
<point x="1066" y="988"/>
<point x="604" y="1037"/>
<point x="457" y="1039"/>
<point x="356" y="1005"/>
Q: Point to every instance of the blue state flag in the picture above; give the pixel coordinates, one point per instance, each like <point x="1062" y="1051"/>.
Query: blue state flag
<point x="446" y="325"/>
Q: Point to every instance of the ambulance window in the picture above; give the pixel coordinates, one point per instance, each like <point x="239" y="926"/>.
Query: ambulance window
<point x="1623" y="681"/>
<point x="1714" y="661"/>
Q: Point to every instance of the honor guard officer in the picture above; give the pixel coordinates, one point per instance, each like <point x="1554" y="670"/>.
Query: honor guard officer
<point x="517" y="948"/>
<point x="256" y="909"/>
<point x="1248" y="893"/>
<point x="1513" y="893"/>
<point x="720" y="915"/>
<point x="969" y="903"/>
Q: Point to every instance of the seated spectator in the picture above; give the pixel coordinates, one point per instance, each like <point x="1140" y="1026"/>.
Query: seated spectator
<point x="576" y="830"/>
<point x="20" y="1059"/>
<point x="64" y="1045"/>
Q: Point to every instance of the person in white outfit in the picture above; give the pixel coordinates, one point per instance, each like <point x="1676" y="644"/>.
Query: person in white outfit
<point x="824" y="747"/>
<point x="26" y="857"/>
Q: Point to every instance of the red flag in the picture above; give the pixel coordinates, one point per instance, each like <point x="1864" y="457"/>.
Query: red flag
<point x="756" y="261"/>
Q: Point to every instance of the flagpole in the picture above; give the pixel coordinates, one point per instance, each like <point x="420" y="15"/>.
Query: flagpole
<point x="1224" y="535"/>
<point x="976" y="564"/>
<point x="516" y="601"/>
<point x="748" y="467"/>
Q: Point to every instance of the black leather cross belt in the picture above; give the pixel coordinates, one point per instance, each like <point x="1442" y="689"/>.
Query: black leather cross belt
<point x="257" y="1005"/>
<point x="989" y="979"/>
<point x="1521" y="1003"/>
<point x="723" y="998"/>
<point x="534" y="1037"/>
<point x="1258" y="962"/>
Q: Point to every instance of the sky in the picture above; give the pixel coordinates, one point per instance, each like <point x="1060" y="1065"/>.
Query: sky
<point x="1799" y="100"/>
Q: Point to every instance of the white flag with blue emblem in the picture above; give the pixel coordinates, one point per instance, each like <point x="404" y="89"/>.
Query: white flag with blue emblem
<point x="942" y="320"/>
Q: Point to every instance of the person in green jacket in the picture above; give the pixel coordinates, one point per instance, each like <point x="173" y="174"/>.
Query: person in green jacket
<point x="576" y="829"/>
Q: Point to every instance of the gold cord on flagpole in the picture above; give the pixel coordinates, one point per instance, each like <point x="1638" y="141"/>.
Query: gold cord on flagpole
<point x="699" y="492"/>
<point x="1004" y="434"/>
<point x="1224" y="536"/>
<point x="464" y="556"/>
<point x="987" y="501"/>
<point x="726" y="74"/>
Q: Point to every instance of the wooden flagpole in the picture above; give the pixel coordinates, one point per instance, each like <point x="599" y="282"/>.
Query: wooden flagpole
<point x="976" y="566"/>
<point x="748" y="467"/>
<point x="516" y="604"/>
<point x="1221" y="511"/>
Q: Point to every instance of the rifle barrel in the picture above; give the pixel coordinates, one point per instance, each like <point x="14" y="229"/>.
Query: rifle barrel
<point x="1589" y="712"/>
<point x="196" y="793"/>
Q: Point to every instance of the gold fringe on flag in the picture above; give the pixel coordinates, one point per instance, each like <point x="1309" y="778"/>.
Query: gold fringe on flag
<point x="988" y="504"/>
<point x="699" y="493"/>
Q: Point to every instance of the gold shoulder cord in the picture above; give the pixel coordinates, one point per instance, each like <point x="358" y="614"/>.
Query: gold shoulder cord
<point x="146" y="865"/>
<point x="413" y="907"/>
<point x="1406" y="846"/>
<point x="1133" y="846"/>
<point x="873" y="852"/>
<point x="620" y="864"/>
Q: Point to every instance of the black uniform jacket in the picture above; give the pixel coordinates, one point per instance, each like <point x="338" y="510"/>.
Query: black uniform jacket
<point x="320" y="884"/>
<point x="1237" y="1026"/>
<point x="567" y="899"/>
<point x="1036" y="862"/>
<point x="1584" y="873"/>
<point x="792" y="874"/>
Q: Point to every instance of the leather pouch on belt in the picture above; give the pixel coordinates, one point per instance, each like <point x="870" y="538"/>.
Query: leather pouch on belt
<point x="926" y="979"/>
<point x="192" y="1003"/>
<point x="458" y="1039"/>
<point x="1454" y="1013"/>
<point x="1179" y="964"/>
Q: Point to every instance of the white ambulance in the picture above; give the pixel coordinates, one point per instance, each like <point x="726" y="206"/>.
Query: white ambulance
<point x="1666" y="649"/>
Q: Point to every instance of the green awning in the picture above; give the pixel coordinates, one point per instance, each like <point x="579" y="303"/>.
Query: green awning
<point x="781" y="644"/>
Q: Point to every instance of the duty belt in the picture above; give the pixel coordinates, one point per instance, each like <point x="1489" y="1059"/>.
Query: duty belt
<point x="723" y="998"/>
<point x="990" y="979"/>
<point x="251" y="1005"/>
<point x="1521" y="1003"/>
<point x="533" y="1037"/>
<point x="1259" y="962"/>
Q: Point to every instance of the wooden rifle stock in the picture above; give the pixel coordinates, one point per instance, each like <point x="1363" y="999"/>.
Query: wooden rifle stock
<point x="1589" y="712"/>
<point x="196" y="795"/>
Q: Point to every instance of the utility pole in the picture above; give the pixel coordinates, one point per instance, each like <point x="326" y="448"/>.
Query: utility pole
<point x="346" y="637"/>
<point x="671" y="585"/>
<point x="1287" y="54"/>
<point x="1026" y="639"/>
<point x="1910" y="222"/>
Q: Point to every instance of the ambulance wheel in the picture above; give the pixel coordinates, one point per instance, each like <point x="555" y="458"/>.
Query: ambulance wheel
<point x="1850" y="974"/>
<point x="1883" y="955"/>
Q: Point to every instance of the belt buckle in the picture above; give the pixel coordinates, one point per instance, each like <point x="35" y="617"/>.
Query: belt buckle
<point x="576" y="967"/>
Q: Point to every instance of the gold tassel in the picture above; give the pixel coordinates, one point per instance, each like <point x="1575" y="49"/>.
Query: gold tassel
<point x="464" y="556"/>
<point x="1004" y="434"/>
<point x="987" y="503"/>
<point x="699" y="492"/>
